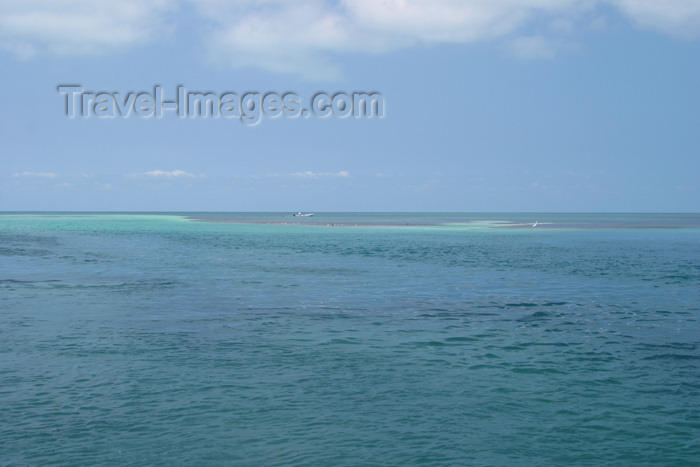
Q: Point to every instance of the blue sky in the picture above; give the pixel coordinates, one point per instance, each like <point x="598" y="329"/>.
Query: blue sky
<point x="502" y="105"/>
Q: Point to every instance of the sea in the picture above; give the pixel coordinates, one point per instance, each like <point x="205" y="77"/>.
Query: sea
<point x="349" y="339"/>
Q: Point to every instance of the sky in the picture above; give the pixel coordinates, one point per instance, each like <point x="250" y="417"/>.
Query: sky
<point x="488" y="105"/>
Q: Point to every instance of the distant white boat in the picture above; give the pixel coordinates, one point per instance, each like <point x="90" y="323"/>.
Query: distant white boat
<point x="300" y="214"/>
<point x="535" y="224"/>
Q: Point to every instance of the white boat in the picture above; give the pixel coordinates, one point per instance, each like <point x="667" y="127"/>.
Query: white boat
<point x="300" y="214"/>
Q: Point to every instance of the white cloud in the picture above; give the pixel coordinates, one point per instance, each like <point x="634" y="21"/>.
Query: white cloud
<point x="36" y="174"/>
<point x="537" y="47"/>
<point x="675" y="17"/>
<point x="166" y="174"/>
<point x="70" y="27"/>
<point x="309" y="174"/>
<point x="303" y="37"/>
<point x="299" y="36"/>
<point x="171" y="174"/>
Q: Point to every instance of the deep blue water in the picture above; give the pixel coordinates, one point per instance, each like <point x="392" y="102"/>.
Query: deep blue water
<point x="430" y="339"/>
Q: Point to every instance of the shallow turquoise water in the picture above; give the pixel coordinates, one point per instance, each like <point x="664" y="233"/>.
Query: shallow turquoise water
<point x="156" y="339"/>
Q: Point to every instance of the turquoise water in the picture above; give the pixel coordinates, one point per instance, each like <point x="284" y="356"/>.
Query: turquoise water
<point x="429" y="339"/>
